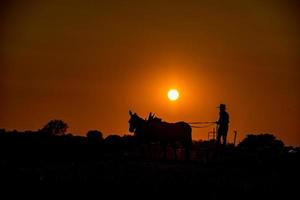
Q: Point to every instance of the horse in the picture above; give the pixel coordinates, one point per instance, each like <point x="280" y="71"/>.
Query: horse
<point x="154" y="130"/>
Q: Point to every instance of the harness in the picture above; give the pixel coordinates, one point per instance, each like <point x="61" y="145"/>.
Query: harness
<point x="208" y="124"/>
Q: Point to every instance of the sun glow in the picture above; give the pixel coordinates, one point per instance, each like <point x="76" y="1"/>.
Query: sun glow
<point x="173" y="94"/>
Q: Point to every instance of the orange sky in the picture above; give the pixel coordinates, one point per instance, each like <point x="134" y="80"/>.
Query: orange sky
<point x="89" y="62"/>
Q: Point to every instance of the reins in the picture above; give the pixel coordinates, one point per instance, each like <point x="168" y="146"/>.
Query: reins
<point x="206" y="126"/>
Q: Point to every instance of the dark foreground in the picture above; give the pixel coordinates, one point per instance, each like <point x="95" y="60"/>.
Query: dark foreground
<point x="124" y="170"/>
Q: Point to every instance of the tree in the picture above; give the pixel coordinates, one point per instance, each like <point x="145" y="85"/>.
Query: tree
<point x="94" y="135"/>
<point x="261" y="142"/>
<point x="2" y="131"/>
<point x="55" y="127"/>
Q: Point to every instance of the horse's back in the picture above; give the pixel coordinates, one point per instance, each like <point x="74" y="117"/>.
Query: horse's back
<point x="185" y="130"/>
<point x="179" y="131"/>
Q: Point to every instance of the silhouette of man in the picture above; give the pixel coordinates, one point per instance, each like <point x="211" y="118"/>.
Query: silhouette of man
<point x="222" y="124"/>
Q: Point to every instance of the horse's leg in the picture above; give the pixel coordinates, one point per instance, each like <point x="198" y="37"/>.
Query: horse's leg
<point x="187" y="151"/>
<point x="164" y="146"/>
<point x="149" y="151"/>
<point x="144" y="151"/>
<point x="174" y="149"/>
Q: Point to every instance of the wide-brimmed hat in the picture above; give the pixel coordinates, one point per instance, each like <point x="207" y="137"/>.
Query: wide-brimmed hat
<point x="222" y="106"/>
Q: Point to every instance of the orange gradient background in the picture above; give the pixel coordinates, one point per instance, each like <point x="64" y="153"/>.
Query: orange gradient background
<point x="89" y="62"/>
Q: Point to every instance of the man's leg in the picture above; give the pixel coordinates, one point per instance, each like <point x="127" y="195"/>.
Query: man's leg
<point x="218" y="138"/>
<point x="224" y="136"/>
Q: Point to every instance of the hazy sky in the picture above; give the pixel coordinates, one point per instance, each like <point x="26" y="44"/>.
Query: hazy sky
<point x="89" y="62"/>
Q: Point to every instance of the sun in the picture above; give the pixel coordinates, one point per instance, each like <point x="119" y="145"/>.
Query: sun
<point x="173" y="94"/>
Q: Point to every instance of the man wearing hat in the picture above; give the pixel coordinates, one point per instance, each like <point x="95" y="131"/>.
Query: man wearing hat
<point x="222" y="124"/>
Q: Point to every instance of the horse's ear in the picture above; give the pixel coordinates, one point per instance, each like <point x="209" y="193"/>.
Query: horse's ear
<point x="130" y="113"/>
<point x="150" y="116"/>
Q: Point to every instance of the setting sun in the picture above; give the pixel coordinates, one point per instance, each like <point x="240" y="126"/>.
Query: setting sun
<point x="173" y="94"/>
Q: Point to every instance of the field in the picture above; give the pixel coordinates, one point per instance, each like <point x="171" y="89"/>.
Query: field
<point x="125" y="169"/>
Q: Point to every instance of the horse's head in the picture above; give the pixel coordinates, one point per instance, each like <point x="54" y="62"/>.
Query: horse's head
<point x="135" y="122"/>
<point x="152" y="119"/>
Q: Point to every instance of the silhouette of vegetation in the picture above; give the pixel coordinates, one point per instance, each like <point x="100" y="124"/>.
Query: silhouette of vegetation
<point x="94" y="135"/>
<point x="55" y="127"/>
<point x="259" y="165"/>
<point x="113" y="140"/>
<point x="261" y="142"/>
